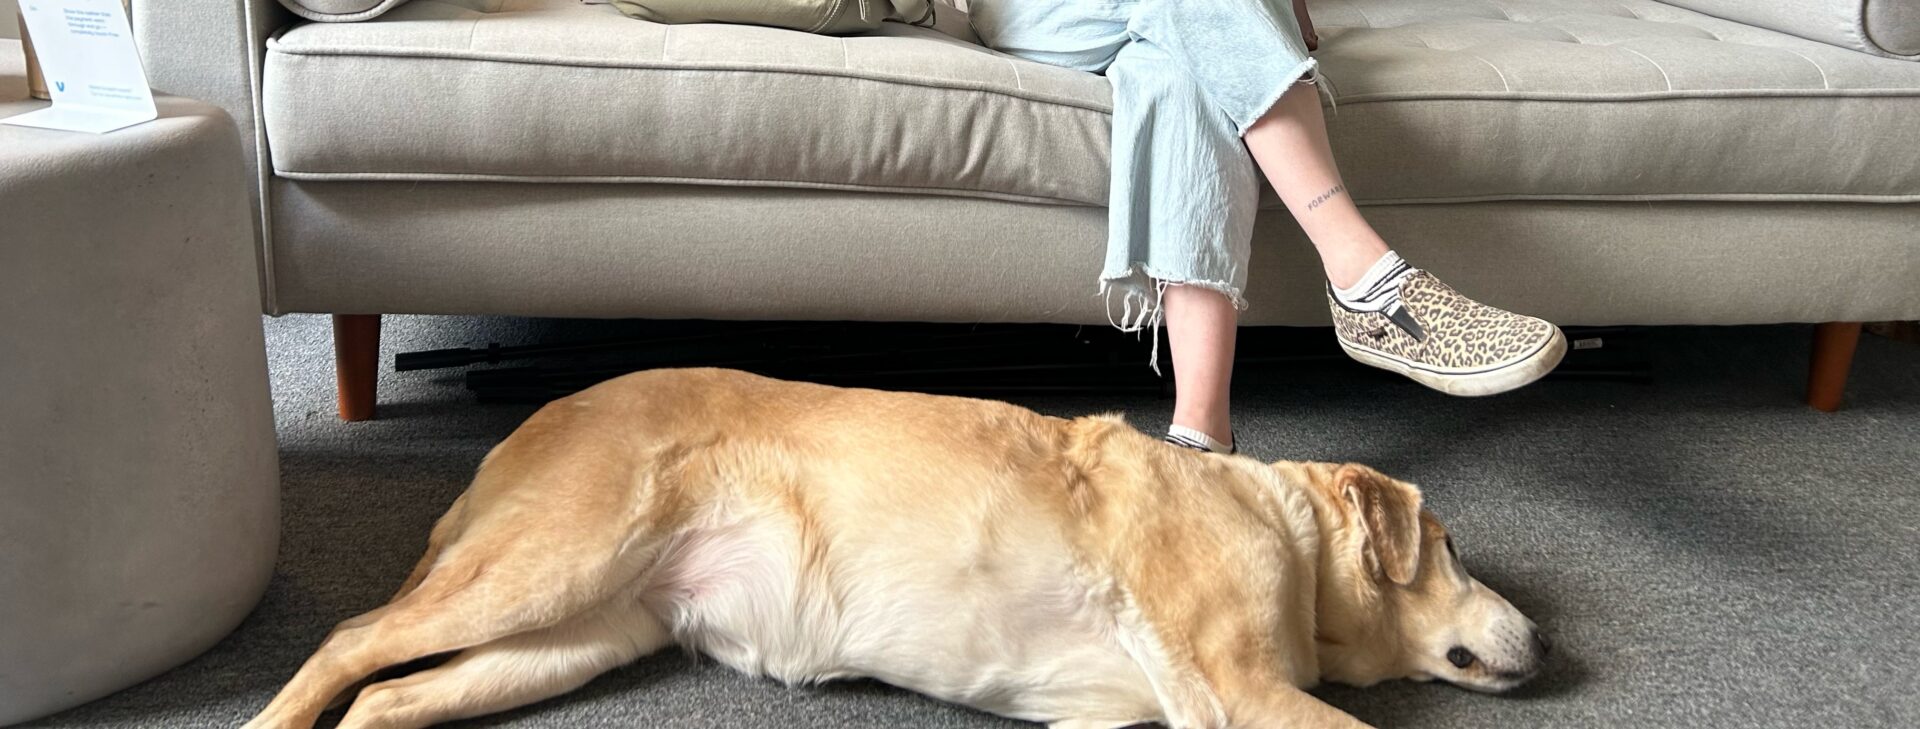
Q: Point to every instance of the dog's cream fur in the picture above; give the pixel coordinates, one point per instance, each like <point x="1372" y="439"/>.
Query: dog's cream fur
<point x="1067" y="571"/>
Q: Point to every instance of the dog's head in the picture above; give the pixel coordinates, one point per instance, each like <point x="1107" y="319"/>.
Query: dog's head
<point x="1398" y="603"/>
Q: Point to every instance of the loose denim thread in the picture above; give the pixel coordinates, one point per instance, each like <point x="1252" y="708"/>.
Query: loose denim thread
<point x="1314" y="79"/>
<point x="1152" y="314"/>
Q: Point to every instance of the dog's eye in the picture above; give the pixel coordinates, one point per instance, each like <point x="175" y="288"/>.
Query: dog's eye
<point x="1450" y="549"/>
<point x="1460" y="657"/>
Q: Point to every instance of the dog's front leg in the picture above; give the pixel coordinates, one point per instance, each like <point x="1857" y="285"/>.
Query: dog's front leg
<point x="1237" y="689"/>
<point x="1284" y="707"/>
<point x="1256" y="689"/>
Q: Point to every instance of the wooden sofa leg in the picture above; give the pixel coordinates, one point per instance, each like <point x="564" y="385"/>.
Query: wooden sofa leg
<point x="356" y="363"/>
<point x="1833" y="344"/>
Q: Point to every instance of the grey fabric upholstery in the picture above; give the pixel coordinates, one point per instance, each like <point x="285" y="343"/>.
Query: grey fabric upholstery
<point x="1885" y="27"/>
<point x="1894" y="27"/>
<point x="540" y="157"/>
<point x="556" y="90"/>
<point x="592" y="250"/>
<point x="1437" y="102"/>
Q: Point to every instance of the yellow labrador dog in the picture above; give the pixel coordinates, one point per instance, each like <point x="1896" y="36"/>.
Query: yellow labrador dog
<point x="1075" y="572"/>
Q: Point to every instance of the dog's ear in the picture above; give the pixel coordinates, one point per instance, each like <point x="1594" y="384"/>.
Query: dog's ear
<point x="1387" y="512"/>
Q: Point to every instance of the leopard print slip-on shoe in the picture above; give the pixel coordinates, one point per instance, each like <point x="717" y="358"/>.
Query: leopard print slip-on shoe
<point x="1447" y="341"/>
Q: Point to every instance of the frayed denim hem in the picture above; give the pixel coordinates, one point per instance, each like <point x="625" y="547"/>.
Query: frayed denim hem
<point x="1143" y="291"/>
<point x="1307" y="72"/>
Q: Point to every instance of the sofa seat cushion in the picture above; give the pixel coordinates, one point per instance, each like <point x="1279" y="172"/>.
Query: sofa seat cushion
<point x="560" y="91"/>
<point x="1457" y="100"/>
<point x="1436" y="101"/>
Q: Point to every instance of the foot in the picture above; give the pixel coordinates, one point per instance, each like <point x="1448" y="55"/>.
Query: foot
<point x="1186" y="437"/>
<point x="1421" y="328"/>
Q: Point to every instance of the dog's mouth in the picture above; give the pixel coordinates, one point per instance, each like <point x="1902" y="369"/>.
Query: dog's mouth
<point x="1495" y="682"/>
<point x="1485" y="681"/>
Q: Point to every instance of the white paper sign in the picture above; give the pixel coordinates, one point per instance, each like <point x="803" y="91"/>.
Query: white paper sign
<point x="93" y="70"/>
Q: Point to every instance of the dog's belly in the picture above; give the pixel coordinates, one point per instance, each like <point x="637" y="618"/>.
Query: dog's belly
<point x="1018" y="636"/>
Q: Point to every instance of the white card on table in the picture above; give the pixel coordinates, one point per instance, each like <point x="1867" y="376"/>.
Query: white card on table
<point x="93" y="70"/>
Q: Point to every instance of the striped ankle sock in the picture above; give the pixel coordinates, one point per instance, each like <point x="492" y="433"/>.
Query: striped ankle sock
<point x="1379" y="288"/>
<point x="1186" y="437"/>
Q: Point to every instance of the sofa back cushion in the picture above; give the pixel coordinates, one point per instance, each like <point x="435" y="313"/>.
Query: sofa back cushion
<point x="340" y="11"/>
<point x="1888" y="28"/>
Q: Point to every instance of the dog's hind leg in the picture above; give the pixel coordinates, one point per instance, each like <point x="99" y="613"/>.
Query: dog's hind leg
<point x="513" y="671"/>
<point x="485" y="588"/>
<point x="443" y="533"/>
<point x="551" y="527"/>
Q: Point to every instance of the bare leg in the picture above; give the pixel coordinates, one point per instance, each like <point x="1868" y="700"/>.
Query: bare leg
<point x="1201" y="324"/>
<point x="1290" y="145"/>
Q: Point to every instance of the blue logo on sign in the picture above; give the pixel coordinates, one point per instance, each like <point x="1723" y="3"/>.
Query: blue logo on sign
<point x="61" y="85"/>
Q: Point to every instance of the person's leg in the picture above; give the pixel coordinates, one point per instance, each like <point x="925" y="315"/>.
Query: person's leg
<point x="1248" y="56"/>
<point x="1201" y="324"/>
<point x="1254" y="65"/>
<point x="1290" y="145"/>
<point x="1173" y="218"/>
<point x="1180" y="224"/>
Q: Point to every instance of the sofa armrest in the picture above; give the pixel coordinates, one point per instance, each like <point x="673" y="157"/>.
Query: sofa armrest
<point x="212" y="50"/>
<point x="1889" y="28"/>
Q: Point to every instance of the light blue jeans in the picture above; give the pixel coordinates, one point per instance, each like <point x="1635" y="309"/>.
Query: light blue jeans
<point x="1189" y="77"/>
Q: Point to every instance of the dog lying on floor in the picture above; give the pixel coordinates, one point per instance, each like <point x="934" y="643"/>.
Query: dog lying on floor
<point x="1075" y="572"/>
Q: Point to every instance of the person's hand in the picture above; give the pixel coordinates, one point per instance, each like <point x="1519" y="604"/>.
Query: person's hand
<point x="1306" y="25"/>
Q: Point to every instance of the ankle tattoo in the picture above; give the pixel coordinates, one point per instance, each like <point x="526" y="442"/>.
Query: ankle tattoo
<point x="1325" y="196"/>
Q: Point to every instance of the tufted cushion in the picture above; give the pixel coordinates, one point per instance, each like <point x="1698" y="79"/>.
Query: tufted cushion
<point x="556" y="90"/>
<point x="340" y="11"/>
<point x="1454" y="100"/>
<point x="1883" y="27"/>
<point x="1437" y="101"/>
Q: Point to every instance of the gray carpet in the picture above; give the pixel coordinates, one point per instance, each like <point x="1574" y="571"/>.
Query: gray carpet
<point x="1705" y="551"/>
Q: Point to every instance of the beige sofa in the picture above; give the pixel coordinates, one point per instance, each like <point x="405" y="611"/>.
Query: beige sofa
<point x="1613" y="162"/>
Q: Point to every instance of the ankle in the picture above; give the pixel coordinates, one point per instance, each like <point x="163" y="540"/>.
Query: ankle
<point x="1193" y="439"/>
<point x="1219" y="428"/>
<point x="1348" y="262"/>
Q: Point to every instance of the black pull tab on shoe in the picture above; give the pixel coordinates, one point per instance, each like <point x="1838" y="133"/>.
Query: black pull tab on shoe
<point x="1404" y="319"/>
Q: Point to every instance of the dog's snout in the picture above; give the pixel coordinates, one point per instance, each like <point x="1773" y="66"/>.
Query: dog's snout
<point x="1542" y="644"/>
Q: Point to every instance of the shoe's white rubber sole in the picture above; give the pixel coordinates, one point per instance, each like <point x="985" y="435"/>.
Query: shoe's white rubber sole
<point x="1469" y="383"/>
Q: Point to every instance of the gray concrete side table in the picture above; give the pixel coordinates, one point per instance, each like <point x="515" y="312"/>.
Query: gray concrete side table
<point x="139" y="483"/>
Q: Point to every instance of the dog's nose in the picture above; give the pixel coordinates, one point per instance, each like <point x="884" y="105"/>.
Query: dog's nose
<point x="1546" y="646"/>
